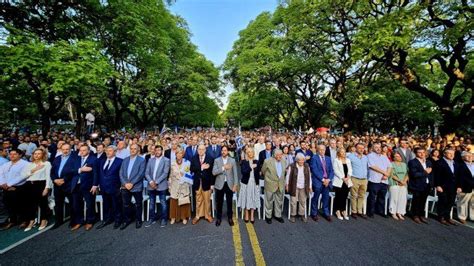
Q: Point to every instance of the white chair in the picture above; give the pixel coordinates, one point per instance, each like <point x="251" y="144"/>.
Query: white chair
<point x="387" y="197"/>
<point x="331" y="203"/>
<point x="409" y="199"/>
<point x="99" y="199"/>
<point x="432" y="199"/>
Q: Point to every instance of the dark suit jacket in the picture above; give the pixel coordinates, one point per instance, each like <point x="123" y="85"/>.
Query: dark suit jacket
<point x="87" y="178"/>
<point x="246" y="170"/>
<point x="204" y="177"/>
<point x="262" y="156"/>
<point x="317" y="170"/>
<point x="417" y="175"/>
<point x="109" y="180"/>
<point x="67" y="173"/>
<point x="103" y="156"/>
<point x="214" y="154"/>
<point x="188" y="155"/>
<point x="464" y="178"/>
<point x="306" y="153"/>
<point x="444" y="177"/>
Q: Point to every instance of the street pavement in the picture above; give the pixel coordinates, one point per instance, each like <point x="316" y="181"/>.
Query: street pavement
<point x="355" y="242"/>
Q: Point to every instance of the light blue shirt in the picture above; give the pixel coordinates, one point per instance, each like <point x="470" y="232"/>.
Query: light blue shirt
<point x="381" y="161"/>
<point x="3" y="161"/>
<point x="279" y="169"/>
<point x="471" y="168"/>
<point x="359" y="165"/>
<point x="63" y="162"/>
<point x="130" y="165"/>
<point x="268" y="154"/>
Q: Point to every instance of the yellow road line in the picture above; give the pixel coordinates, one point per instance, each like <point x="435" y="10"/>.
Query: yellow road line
<point x="239" y="260"/>
<point x="259" y="259"/>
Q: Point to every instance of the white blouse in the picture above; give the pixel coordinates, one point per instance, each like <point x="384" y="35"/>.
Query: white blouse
<point x="44" y="174"/>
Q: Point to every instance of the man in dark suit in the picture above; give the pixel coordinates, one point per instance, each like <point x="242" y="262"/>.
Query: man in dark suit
<point x="100" y="154"/>
<point x="62" y="171"/>
<point x="191" y="150"/>
<point x="420" y="172"/>
<point x="214" y="150"/>
<point x="82" y="189"/>
<point x="322" y="174"/>
<point x="171" y="153"/>
<point x="465" y="184"/>
<point x="445" y="183"/>
<point x="109" y="184"/>
<point x="203" y="183"/>
<point x="265" y="154"/>
<point x="132" y="172"/>
<point x="305" y="151"/>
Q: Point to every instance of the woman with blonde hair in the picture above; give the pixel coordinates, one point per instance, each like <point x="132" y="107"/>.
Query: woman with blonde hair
<point x="341" y="183"/>
<point x="249" y="194"/>
<point x="37" y="188"/>
<point x="180" y="200"/>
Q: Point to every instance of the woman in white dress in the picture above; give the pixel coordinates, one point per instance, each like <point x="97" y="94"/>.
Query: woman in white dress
<point x="249" y="194"/>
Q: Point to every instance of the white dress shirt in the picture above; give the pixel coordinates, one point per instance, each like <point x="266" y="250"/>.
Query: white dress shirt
<point x="11" y="173"/>
<point x="43" y="174"/>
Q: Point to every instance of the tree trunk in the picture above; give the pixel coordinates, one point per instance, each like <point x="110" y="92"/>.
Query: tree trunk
<point x="45" y="124"/>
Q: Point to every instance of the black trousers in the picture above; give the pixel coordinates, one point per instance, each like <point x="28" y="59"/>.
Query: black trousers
<point x="14" y="203"/>
<point x="112" y="206"/>
<point x="340" y="199"/>
<point x="61" y="193"/>
<point x="79" y="196"/>
<point x="418" y="202"/>
<point x="127" y="205"/>
<point x="446" y="202"/>
<point x="220" y="200"/>
<point x="376" y="199"/>
<point x="34" y="199"/>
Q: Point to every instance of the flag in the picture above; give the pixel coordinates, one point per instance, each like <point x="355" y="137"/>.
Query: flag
<point x="212" y="127"/>
<point x="163" y="130"/>
<point x="176" y="129"/>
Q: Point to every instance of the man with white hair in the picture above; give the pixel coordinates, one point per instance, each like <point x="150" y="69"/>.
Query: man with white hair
<point x="274" y="171"/>
<point x="298" y="185"/>
<point x="465" y="184"/>
<point x="203" y="183"/>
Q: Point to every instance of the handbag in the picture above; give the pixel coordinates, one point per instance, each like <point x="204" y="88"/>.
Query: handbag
<point x="182" y="200"/>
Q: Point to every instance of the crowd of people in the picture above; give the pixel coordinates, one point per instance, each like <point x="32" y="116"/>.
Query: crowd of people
<point x="376" y="173"/>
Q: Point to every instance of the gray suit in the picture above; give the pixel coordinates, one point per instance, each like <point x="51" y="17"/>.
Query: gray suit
<point x="136" y="175"/>
<point x="218" y="172"/>
<point x="161" y="175"/>
<point x="409" y="155"/>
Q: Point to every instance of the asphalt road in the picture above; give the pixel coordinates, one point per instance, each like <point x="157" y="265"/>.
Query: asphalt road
<point x="356" y="242"/>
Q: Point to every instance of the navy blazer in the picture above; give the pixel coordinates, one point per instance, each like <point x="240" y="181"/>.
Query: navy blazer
<point x="67" y="173"/>
<point x="188" y="155"/>
<point x="214" y="154"/>
<point x="246" y="170"/>
<point x="307" y="153"/>
<point x="262" y="156"/>
<point x="464" y="178"/>
<point x="109" y="180"/>
<point x="87" y="178"/>
<point x="202" y="176"/>
<point x="444" y="177"/>
<point x="418" y="176"/>
<point x="317" y="171"/>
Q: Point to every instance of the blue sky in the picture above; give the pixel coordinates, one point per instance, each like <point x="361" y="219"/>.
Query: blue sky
<point x="215" y="24"/>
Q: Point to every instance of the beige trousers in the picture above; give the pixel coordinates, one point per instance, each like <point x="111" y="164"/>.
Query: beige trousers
<point x="300" y="198"/>
<point x="203" y="203"/>
<point x="358" y="189"/>
<point x="465" y="204"/>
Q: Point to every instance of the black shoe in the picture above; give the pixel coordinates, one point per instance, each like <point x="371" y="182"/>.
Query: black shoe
<point x="138" y="224"/>
<point x="231" y="222"/>
<point x="246" y="221"/>
<point x="370" y="215"/>
<point x="124" y="225"/>
<point x="268" y="220"/>
<point x="252" y="221"/>
<point x="279" y="219"/>
<point x="103" y="224"/>
<point x="218" y="222"/>
<point x="363" y="216"/>
<point x="315" y="218"/>
<point x="116" y="225"/>
<point x="354" y="216"/>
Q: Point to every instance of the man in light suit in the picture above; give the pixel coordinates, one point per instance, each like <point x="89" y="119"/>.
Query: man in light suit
<point x="157" y="171"/>
<point x="62" y="171"/>
<point x="225" y="172"/>
<point x="82" y="189"/>
<point x="405" y="151"/>
<point x="132" y="172"/>
<point x="322" y="174"/>
<point x="274" y="171"/>
<point x="214" y="150"/>
<point x="108" y="171"/>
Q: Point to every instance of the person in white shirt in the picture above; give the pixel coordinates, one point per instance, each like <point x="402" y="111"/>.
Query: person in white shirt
<point x="259" y="146"/>
<point x="11" y="182"/>
<point x="299" y="186"/>
<point x="37" y="187"/>
<point x="123" y="151"/>
<point x="342" y="183"/>
<point x="90" y="121"/>
<point x="28" y="147"/>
